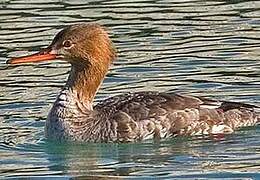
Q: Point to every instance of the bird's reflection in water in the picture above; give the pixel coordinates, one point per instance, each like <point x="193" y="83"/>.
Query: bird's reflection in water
<point x="122" y="160"/>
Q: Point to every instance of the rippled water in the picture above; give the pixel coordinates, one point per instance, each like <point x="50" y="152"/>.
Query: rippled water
<point x="206" y="48"/>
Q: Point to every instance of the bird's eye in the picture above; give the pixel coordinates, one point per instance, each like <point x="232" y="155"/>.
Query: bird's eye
<point x="67" y="44"/>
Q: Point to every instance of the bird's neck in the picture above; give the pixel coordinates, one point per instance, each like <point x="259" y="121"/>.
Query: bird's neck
<point x="73" y="108"/>
<point x="85" y="80"/>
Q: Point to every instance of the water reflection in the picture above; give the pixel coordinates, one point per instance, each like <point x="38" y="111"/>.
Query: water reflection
<point x="175" y="158"/>
<point x="102" y="160"/>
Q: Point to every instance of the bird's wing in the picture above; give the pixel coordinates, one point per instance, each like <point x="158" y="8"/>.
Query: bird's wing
<point x="153" y="115"/>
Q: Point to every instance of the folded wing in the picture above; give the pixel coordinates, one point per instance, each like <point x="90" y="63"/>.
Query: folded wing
<point x="153" y="115"/>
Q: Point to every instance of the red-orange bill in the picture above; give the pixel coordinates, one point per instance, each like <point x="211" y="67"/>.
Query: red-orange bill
<point x="32" y="58"/>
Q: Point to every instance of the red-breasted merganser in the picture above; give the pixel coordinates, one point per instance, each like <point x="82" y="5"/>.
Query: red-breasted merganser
<point x="128" y="117"/>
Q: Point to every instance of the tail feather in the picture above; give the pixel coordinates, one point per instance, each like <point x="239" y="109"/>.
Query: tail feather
<point x="236" y="105"/>
<point x="257" y="115"/>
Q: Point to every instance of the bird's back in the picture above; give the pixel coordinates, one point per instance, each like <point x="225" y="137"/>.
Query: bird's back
<point x="153" y="115"/>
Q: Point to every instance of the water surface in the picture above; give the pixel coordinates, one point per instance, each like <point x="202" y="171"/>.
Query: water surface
<point x="205" y="48"/>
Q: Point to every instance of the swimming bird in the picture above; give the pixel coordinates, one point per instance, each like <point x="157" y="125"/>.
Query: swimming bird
<point x="129" y="117"/>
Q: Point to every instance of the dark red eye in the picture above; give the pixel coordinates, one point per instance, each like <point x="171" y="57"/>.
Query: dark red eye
<point x="67" y="44"/>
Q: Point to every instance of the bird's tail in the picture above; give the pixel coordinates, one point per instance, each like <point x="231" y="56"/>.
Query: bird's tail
<point x="257" y="111"/>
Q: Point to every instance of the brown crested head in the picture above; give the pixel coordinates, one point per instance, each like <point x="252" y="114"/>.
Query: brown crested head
<point x="90" y="51"/>
<point x="80" y="44"/>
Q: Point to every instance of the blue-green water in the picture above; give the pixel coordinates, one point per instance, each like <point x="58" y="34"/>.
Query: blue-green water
<point x="205" y="48"/>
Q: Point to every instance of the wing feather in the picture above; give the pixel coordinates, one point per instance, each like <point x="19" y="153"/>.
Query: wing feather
<point x="153" y="115"/>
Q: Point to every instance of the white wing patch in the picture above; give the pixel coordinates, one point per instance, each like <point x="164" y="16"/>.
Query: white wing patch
<point x="222" y="128"/>
<point x="211" y="106"/>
